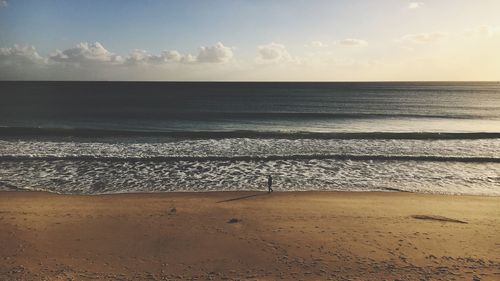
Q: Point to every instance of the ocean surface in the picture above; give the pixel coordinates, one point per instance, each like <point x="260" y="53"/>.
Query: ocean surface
<point x="115" y="137"/>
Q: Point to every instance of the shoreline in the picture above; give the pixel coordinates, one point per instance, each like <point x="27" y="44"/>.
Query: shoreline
<point x="249" y="235"/>
<point x="387" y="191"/>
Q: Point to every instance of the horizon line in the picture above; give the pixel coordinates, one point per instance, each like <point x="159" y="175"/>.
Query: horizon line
<point x="266" y="81"/>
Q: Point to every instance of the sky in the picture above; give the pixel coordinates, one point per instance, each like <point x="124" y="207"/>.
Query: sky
<point x="250" y="40"/>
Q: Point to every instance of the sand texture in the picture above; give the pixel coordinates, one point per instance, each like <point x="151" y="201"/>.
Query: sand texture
<point x="249" y="236"/>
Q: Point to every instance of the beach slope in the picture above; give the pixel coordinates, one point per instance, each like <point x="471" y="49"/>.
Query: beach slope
<point x="249" y="236"/>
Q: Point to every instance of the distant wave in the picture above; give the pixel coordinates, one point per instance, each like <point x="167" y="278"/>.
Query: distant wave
<point x="204" y="115"/>
<point x="291" y="115"/>
<point x="95" y="133"/>
<point x="354" y="157"/>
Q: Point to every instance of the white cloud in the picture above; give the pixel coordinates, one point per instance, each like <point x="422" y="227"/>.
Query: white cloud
<point x="423" y="38"/>
<point x="415" y="5"/>
<point x="94" y="61"/>
<point x="138" y="57"/>
<point x="271" y="61"/>
<point x="20" y="55"/>
<point x="85" y="53"/>
<point x="4" y="3"/>
<point x="352" y="42"/>
<point x="188" y="58"/>
<point x="215" y="54"/>
<point x="173" y="56"/>
<point x="143" y="57"/>
<point x="212" y="54"/>
<point x="273" y="52"/>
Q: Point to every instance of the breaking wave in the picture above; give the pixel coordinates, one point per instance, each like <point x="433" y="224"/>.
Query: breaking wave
<point x="353" y="157"/>
<point x="83" y="132"/>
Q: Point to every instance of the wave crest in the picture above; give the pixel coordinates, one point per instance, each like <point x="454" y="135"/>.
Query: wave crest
<point x="353" y="157"/>
<point x="92" y="133"/>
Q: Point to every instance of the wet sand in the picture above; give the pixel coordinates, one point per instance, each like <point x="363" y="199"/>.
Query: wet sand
<point x="249" y="236"/>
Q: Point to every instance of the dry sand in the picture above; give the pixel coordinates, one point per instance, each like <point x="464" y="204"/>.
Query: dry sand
<point x="290" y="236"/>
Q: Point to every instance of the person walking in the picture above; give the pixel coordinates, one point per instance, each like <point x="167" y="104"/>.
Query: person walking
<point x="269" y="184"/>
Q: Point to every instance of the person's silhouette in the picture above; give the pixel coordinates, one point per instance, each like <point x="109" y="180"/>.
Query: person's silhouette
<point x="269" y="184"/>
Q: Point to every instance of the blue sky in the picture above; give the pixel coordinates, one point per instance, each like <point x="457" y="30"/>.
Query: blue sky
<point x="295" y="39"/>
<point x="154" y="25"/>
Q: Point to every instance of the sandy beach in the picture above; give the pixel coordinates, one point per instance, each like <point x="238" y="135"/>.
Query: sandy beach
<point x="249" y="236"/>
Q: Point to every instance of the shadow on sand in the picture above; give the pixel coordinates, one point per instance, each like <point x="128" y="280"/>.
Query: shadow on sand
<point x="243" y="197"/>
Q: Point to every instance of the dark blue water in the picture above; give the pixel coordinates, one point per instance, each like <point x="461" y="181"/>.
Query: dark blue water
<point x="105" y="137"/>
<point x="310" y="107"/>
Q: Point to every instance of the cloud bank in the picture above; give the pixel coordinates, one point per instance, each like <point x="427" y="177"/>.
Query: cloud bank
<point x="95" y="53"/>
<point x="271" y="61"/>
<point x="92" y="61"/>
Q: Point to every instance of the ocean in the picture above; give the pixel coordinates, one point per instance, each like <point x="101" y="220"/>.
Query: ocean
<point x="116" y="137"/>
